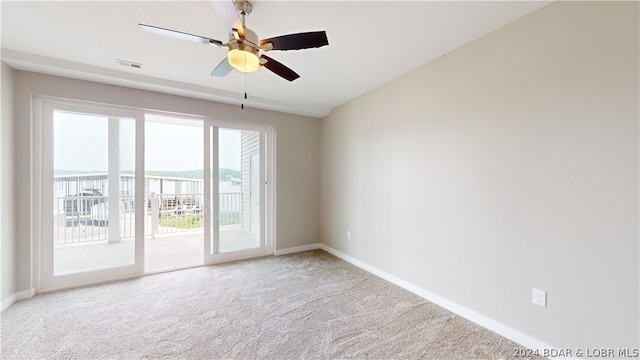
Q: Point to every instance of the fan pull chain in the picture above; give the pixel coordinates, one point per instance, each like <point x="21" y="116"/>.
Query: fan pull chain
<point x="245" y="83"/>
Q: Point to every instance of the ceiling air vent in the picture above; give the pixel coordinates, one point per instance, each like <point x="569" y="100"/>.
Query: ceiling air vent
<point x="129" y="64"/>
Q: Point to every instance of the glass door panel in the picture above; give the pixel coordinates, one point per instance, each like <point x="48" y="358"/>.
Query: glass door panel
<point x="94" y="162"/>
<point x="236" y="215"/>
<point x="239" y="218"/>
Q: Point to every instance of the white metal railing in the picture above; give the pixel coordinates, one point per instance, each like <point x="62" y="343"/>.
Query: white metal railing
<point x="82" y="218"/>
<point x="175" y="213"/>
<point x="79" y="219"/>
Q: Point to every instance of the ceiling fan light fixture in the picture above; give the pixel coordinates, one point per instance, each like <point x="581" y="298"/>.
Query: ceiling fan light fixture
<point x="244" y="61"/>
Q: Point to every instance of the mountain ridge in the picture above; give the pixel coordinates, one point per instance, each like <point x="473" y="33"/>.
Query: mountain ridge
<point x="224" y="174"/>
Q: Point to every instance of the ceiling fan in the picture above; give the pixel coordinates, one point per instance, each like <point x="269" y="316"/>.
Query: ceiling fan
<point x="245" y="49"/>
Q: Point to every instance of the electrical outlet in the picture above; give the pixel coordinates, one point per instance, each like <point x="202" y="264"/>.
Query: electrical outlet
<point x="348" y="235"/>
<point x="539" y="297"/>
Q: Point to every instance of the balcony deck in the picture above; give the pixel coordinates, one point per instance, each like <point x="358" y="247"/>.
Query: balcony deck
<point x="165" y="252"/>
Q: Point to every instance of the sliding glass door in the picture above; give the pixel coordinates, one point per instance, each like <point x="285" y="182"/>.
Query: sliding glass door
<point x="91" y="177"/>
<point x="235" y="220"/>
<point x="124" y="193"/>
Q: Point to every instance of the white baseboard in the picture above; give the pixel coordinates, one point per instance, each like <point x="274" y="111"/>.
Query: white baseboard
<point x="484" y="321"/>
<point x="296" y="249"/>
<point x="21" y="295"/>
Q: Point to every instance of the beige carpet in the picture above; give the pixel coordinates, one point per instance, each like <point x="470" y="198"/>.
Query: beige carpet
<point x="306" y="305"/>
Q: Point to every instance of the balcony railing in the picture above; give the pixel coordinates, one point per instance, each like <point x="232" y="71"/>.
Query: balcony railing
<point x="80" y="219"/>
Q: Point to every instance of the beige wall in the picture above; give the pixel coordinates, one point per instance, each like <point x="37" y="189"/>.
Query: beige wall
<point x="297" y="152"/>
<point x="7" y="227"/>
<point x="508" y="164"/>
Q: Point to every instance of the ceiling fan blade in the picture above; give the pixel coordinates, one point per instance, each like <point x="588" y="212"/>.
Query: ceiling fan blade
<point x="314" y="39"/>
<point x="228" y="14"/>
<point x="279" y="69"/>
<point x="179" y="35"/>
<point x="222" y="69"/>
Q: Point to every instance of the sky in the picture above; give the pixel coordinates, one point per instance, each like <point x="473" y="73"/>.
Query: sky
<point x="81" y="143"/>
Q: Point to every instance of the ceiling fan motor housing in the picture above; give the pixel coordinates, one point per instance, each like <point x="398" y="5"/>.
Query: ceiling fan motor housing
<point x="243" y="52"/>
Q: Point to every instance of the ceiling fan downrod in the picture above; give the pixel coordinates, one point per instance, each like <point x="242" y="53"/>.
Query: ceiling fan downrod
<point x="244" y="8"/>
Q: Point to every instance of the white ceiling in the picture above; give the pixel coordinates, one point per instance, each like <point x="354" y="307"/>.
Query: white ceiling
<point x="370" y="43"/>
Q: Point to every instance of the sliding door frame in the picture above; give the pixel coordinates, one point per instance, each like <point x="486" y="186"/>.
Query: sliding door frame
<point x="41" y="200"/>
<point x="42" y="190"/>
<point x="267" y="186"/>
